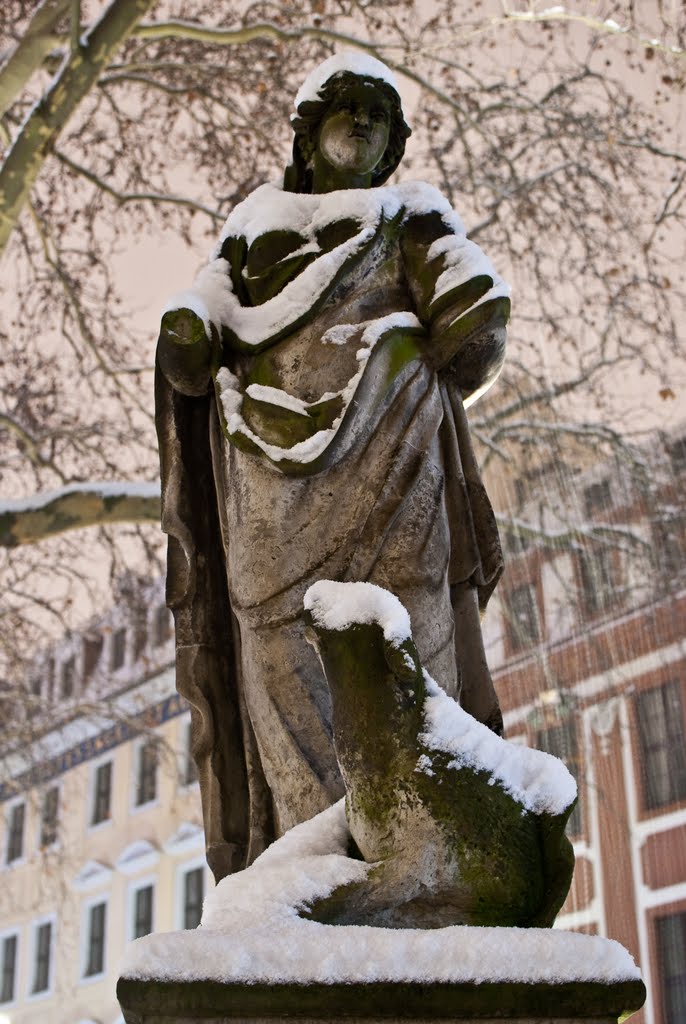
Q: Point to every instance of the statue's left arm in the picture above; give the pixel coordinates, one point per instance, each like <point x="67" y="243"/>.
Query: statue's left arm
<point x="460" y="299"/>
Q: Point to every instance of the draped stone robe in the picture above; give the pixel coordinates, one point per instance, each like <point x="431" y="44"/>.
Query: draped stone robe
<point x="354" y="326"/>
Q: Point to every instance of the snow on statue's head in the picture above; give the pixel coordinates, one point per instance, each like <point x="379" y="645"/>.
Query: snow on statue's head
<point x="323" y="86"/>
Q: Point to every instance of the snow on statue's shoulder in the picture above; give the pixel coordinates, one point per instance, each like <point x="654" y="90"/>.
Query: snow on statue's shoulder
<point x="337" y="606"/>
<point x="419" y="198"/>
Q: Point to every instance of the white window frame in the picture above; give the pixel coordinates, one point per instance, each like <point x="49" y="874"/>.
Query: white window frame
<point x="16" y="801"/>
<point x="137" y="753"/>
<point x="133" y="888"/>
<point x="90" y="802"/>
<point x="50" y="919"/>
<point x="8" y="933"/>
<point x="84" y="952"/>
<point x="181" y="871"/>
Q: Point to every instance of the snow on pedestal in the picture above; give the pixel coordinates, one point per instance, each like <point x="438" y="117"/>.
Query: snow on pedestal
<point x="251" y="932"/>
<point x="254" y="955"/>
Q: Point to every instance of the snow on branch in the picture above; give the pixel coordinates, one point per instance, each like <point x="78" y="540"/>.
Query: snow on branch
<point x="74" y="507"/>
<point x="608" y="534"/>
<point x="176" y="28"/>
<point x="606" y="26"/>
<point x="219" y="36"/>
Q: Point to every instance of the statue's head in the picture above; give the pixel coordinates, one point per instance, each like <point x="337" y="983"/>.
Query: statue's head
<point x="349" y="117"/>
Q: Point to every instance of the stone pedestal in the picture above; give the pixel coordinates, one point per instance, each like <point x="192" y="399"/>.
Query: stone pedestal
<point x="166" y="1002"/>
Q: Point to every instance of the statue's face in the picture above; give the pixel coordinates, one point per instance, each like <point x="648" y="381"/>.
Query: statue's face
<point x="354" y="132"/>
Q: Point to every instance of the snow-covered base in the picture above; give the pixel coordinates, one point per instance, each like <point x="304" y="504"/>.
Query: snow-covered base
<point x="251" y="933"/>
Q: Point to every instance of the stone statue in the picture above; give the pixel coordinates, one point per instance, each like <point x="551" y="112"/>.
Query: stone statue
<point x="311" y="392"/>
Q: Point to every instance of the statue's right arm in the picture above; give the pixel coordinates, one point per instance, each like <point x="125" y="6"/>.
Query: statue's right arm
<point x="185" y="352"/>
<point x="459" y="299"/>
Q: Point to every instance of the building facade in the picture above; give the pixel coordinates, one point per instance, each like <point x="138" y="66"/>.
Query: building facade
<point x="102" y="836"/>
<point x="587" y="643"/>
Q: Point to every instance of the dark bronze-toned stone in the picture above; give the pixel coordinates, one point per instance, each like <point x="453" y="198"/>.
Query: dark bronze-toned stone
<point x="155" y="1002"/>
<point x="369" y="374"/>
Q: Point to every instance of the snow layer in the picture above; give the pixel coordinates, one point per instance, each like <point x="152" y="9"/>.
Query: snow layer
<point x="337" y="606"/>
<point x="268" y="208"/>
<point x="102" y="489"/>
<point x="362" y="64"/>
<point x="538" y="781"/>
<point x="230" y="395"/>
<point x="251" y="932"/>
<point x="275" y="396"/>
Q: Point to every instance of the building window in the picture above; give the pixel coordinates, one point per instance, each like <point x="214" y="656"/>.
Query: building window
<point x="68" y="678"/>
<point x="524" y="623"/>
<point x="677" y="455"/>
<point x="669" y="535"/>
<point x="102" y="793"/>
<point x="118" y="649"/>
<point x="139" y="640"/>
<point x="597" y="498"/>
<point x="532" y="481"/>
<point x="193" y="895"/>
<point x="42" y="957"/>
<point x="598" y="580"/>
<point x="50" y="678"/>
<point x="142" y="911"/>
<point x="561" y="741"/>
<point x="161" y="626"/>
<point x="146" y="778"/>
<point x="190" y="769"/>
<point x="515" y="542"/>
<point x="663" y="757"/>
<point x="15" y="832"/>
<point x="8" y="978"/>
<point x="671" y="951"/>
<point x="49" y="816"/>
<point x="92" y="649"/>
<point x="95" y="940"/>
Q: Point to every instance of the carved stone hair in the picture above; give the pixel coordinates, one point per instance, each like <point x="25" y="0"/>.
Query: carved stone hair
<point x="298" y="175"/>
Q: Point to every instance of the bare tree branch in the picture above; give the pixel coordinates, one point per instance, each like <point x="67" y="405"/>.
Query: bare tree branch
<point x="136" y="197"/>
<point x="175" y="28"/>
<point x="50" y="115"/>
<point x="39" y="39"/>
<point x="607" y="26"/>
<point x="75" y="507"/>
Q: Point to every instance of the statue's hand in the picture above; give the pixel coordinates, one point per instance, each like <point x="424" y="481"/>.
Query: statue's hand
<point x="184" y="351"/>
<point x="183" y="326"/>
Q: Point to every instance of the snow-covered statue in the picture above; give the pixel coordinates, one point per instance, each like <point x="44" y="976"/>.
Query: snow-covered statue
<point x="311" y="395"/>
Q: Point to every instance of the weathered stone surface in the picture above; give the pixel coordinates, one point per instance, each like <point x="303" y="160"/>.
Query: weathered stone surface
<point x="165" y="1019"/>
<point x="376" y="362"/>
<point x="150" y="1002"/>
<point x="450" y="846"/>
